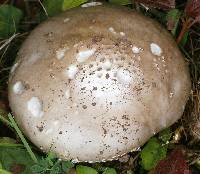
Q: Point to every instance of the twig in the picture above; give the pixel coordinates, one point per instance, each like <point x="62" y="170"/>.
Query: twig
<point x="4" y="52"/>
<point x="43" y="8"/>
<point x="26" y="145"/>
<point x="5" y="69"/>
<point x="197" y="160"/>
<point x="8" y="41"/>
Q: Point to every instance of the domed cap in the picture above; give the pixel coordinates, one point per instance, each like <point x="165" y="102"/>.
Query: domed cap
<point x="97" y="82"/>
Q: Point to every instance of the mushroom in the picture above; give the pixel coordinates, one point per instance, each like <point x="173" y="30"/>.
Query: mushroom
<point x="97" y="85"/>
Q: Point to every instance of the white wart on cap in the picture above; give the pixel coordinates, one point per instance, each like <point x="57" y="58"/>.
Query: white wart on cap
<point x="99" y="85"/>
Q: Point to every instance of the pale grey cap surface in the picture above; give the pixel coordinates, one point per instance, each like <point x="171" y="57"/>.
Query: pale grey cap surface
<point x="95" y="83"/>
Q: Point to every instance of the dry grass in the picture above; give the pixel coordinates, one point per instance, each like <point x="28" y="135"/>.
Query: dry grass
<point x="191" y="116"/>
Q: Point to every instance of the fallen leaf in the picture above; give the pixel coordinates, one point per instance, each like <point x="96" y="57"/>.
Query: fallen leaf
<point x="2" y="1"/>
<point x="174" y="164"/>
<point x="193" y="8"/>
<point x="197" y="18"/>
<point x="72" y="171"/>
<point x="17" y="169"/>
<point x="3" y="106"/>
<point x="163" y="4"/>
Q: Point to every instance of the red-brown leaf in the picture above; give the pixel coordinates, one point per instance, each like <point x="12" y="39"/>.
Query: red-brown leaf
<point x="163" y="4"/>
<point x="3" y="1"/>
<point x="17" y="168"/>
<point x="72" y="171"/>
<point x="193" y="8"/>
<point x="4" y="105"/>
<point x="197" y="18"/>
<point x="174" y="164"/>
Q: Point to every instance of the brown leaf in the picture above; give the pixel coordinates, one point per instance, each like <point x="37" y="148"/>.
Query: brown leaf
<point x="3" y="1"/>
<point x="72" y="171"/>
<point x="197" y="19"/>
<point x="4" y="104"/>
<point x="17" y="168"/>
<point x="163" y="4"/>
<point x="174" y="164"/>
<point x="193" y="8"/>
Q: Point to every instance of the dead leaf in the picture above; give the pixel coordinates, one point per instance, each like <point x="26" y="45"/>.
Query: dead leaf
<point x="17" y="168"/>
<point x="162" y="4"/>
<point x="174" y="164"/>
<point x="4" y="104"/>
<point x="3" y="1"/>
<point x="72" y="171"/>
<point x="197" y="19"/>
<point x="193" y="8"/>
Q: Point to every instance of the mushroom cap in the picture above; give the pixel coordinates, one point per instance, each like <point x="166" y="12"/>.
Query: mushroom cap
<point x="94" y="83"/>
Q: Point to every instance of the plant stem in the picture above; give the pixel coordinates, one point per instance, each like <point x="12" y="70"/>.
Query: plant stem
<point x="186" y="25"/>
<point x="26" y="145"/>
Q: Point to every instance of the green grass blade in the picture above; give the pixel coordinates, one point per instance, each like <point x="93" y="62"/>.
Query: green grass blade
<point x="26" y="145"/>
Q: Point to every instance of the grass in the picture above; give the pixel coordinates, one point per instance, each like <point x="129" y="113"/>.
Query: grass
<point x="19" y="133"/>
